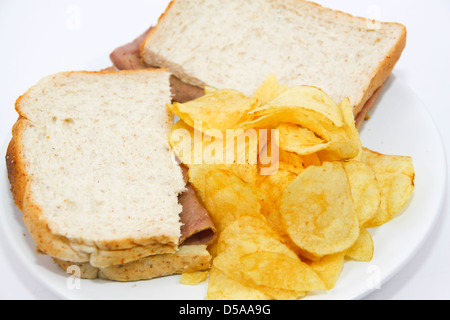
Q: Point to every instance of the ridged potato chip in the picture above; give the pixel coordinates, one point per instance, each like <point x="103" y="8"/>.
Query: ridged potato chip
<point x="287" y="231"/>
<point x="253" y="237"/>
<point x="309" y="98"/>
<point x="363" y="248"/>
<point x="275" y="270"/>
<point x="269" y="90"/>
<point x="273" y="188"/>
<point x="221" y="287"/>
<point x="228" y="198"/>
<point x="274" y="117"/>
<point x="197" y="178"/>
<point x="318" y="212"/>
<point x="395" y="176"/>
<point x="364" y="188"/>
<point x="251" y="234"/>
<point x="194" y="278"/>
<point x="329" y="268"/>
<point x="219" y="109"/>
<point x="193" y="147"/>
<point x="300" y="140"/>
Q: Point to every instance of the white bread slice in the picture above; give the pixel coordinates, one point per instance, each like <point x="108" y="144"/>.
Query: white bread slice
<point x="91" y="168"/>
<point x="236" y="44"/>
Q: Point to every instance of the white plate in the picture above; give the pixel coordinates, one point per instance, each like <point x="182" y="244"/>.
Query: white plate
<point x="399" y="124"/>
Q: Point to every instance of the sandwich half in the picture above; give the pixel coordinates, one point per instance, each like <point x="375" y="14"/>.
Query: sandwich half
<point x="91" y="170"/>
<point x="236" y="44"/>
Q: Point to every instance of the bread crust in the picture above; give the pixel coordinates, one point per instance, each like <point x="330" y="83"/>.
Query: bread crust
<point x="383" y="71"/>
<point x="100" y="254"/>
<point x="378" y="78"/>
<point x="19" y="179"/>
<point x="195" y="258"/>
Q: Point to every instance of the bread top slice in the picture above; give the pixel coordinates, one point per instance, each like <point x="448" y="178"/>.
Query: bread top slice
<point x="90" y="164"/>
<point x="236" y="44"/>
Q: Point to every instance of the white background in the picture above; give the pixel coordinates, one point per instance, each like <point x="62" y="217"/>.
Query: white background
<point x="39" y="38"/>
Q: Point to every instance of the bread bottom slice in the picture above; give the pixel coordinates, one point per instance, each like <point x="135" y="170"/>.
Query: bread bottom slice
<point x="186" y="259"/>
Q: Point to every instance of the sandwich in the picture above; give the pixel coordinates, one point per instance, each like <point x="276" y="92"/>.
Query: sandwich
<point x="99" y="187"/>
<point x="236" y="45"/>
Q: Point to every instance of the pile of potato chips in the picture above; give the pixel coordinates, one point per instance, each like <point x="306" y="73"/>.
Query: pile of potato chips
<point x="287" y="233"/>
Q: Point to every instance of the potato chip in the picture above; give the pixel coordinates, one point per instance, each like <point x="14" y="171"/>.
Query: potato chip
<point x="311" y="160"/>
<point x="228" y="198"/>
<point x="193" y="147"/>
<point x="209" y="90"/>
<point x="287" y="231"/>
<point x="220" y="109"/>
<point x="252" y="235"/>
<point x="241" y="154"/>
<point x="276" y="270"/>
<point x="282" y="294"/>
<point x="197" y="178"/>
<point x="269" y="270"/>
<point x="182" y="142"/>
<point x="269" y="90"/>
<point x="309" y="98"/>
<point x="363" y="248"/>
<point x="249" y="235"/>
<point x="221" y="287"/>
<point x="345" y="142"/>
<point x="350" y="127"/>
<point x="194" y="278"/>
<point x="364" y="189"/>
<point x="273" y="187"/>
<point x="300" y="140"/>
<point x="318" y="212"/>
<point x="329" y="268"/>
<point x="338" y="143"/>
<point x="273" y="118"/>
<point x="395" y="176"/>
<point x="340" y="146"/>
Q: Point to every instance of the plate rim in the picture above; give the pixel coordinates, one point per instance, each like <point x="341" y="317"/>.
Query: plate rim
<point x="438" y="212"/>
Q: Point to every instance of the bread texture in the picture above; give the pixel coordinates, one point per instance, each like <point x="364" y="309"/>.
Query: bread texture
<point x="91" y="169"/>
<point x="186" y="259"/>
<point x="236" y="44"/>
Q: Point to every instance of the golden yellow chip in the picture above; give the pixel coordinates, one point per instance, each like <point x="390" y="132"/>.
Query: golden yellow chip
<point x="228" y="198"/>
<point x="246" y="236"/>
<point x="249" y="235"/>
<point x="329" y="268"/>
<point x="182" y="142"/>
<point x="364" y="189"/>
<point x="194" y="278"/>
<point x="197" y="178"/>
<point x="193" y="147"/>
<point x="395" y="176"/>
<point x="269" y="90"/>
<point x="322" y="192"/>
<point x="275" y="270"/>
<point x="273" y="188"/>
<point x="350" y="127"/>
<point x="274" y="117"/>
<point x="363" y="248"/>
<point x="209" y="90"/>
<point x="268" y="270"/>
<point x="300" y="140"/>
<point x="318" y="212"/>
<point x="345" y="142"/>
<point x="308" y="98"/>
<point x="221" y="287"/>
<point x="217" y="110"/>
